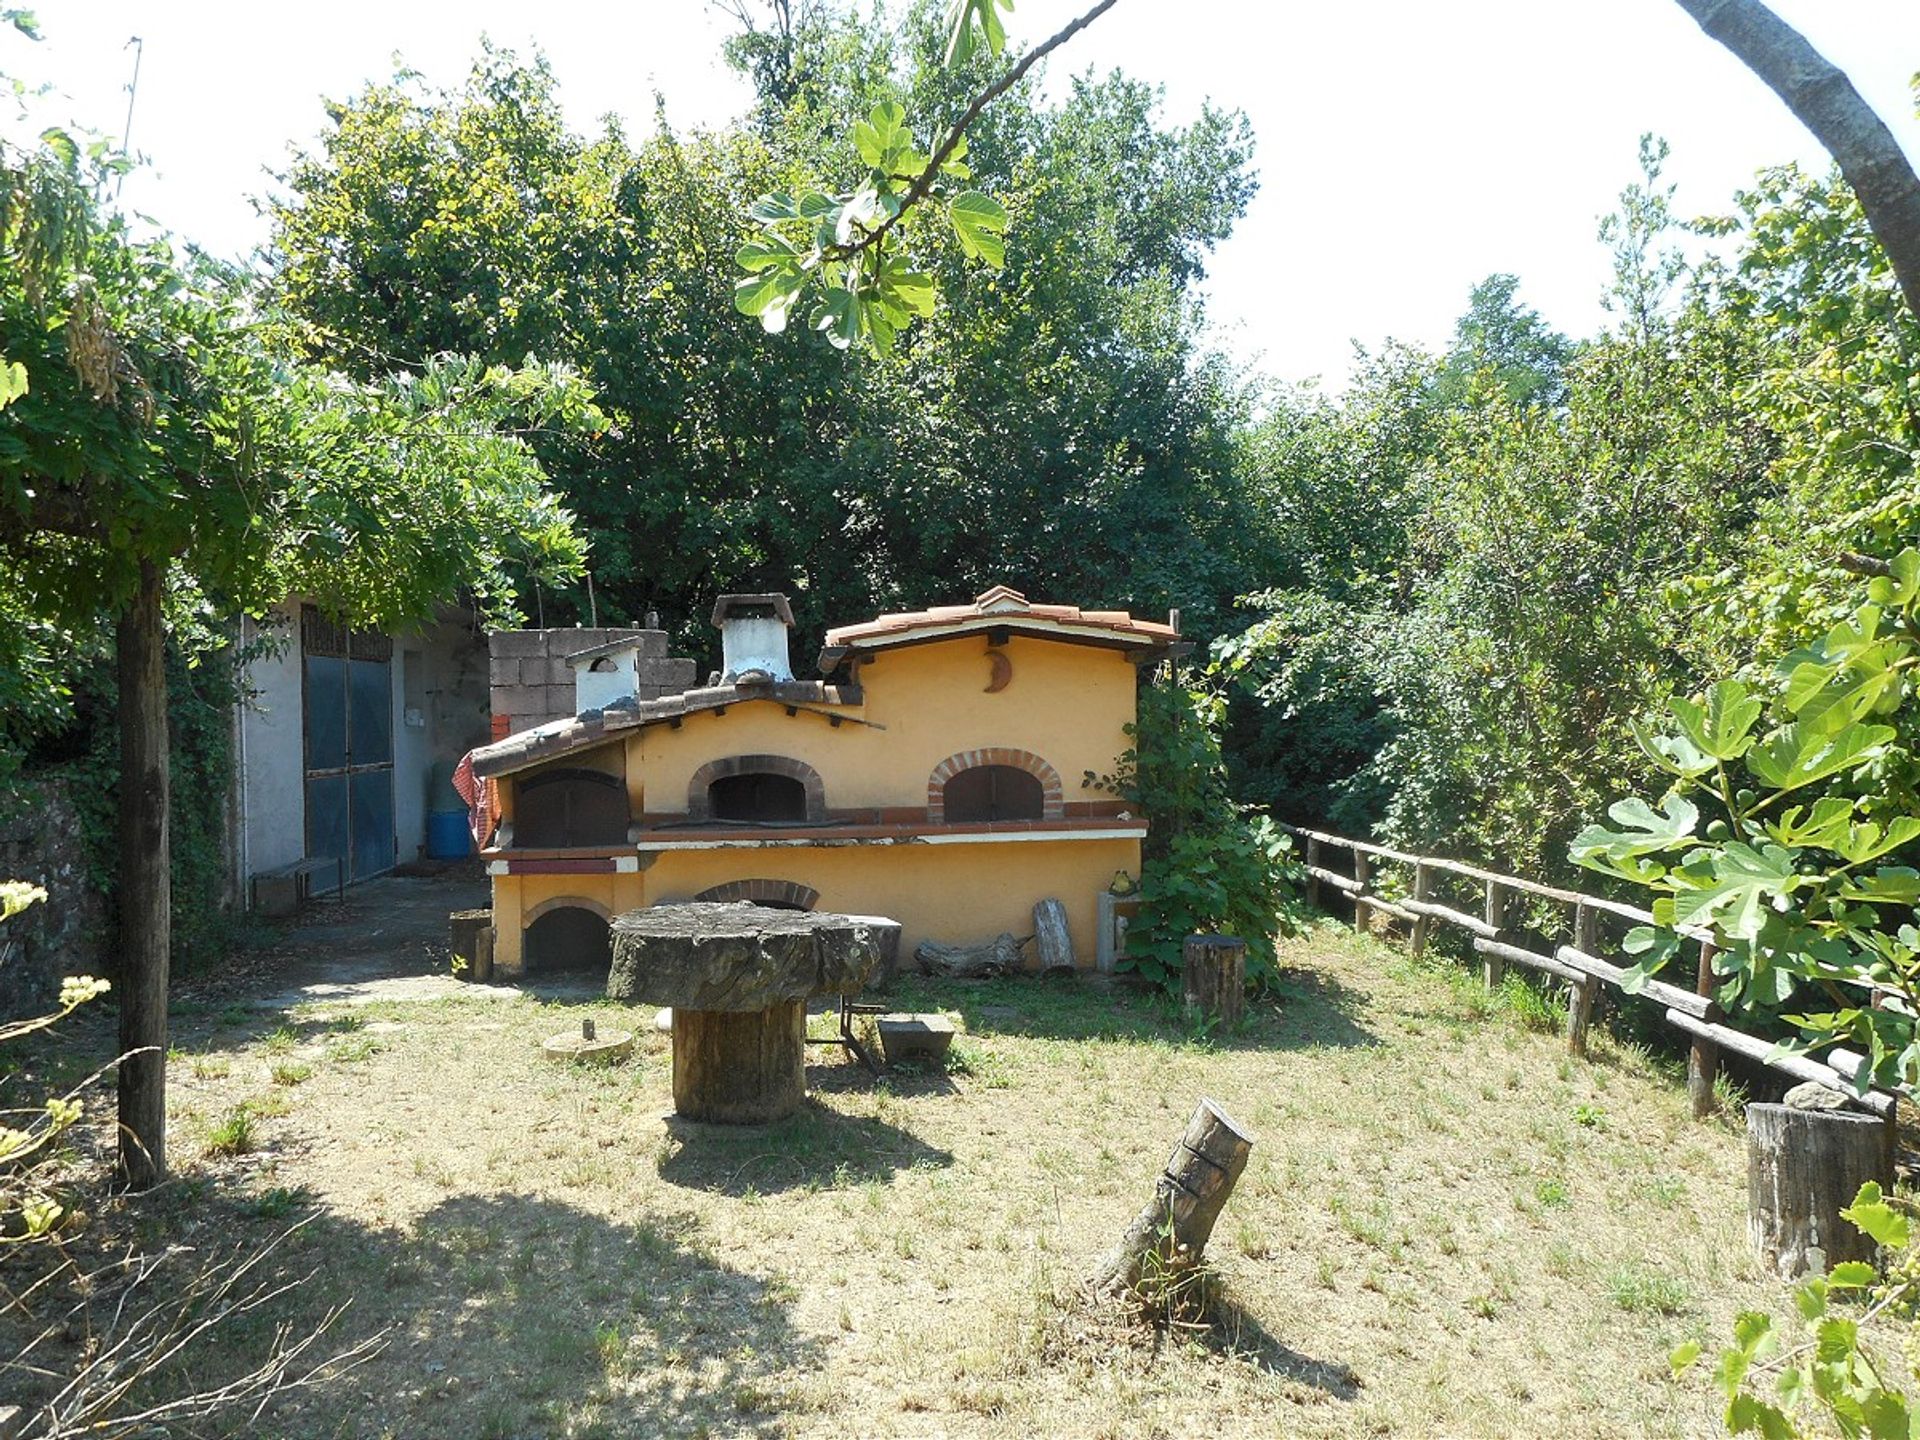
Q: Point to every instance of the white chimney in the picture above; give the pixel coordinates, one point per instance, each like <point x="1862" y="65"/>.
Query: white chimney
<point x="753" y="637"/>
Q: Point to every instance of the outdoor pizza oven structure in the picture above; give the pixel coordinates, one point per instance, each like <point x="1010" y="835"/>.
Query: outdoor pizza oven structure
<point x="923" y="775"/>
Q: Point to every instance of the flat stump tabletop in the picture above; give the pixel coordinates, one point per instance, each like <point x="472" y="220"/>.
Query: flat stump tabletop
<point x="738" y="978"/>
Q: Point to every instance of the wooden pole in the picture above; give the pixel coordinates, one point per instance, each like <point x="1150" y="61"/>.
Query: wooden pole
<point x="1703" y="1059"/>
<point x="1422" y="924"/>
<point x="145" y="906"/>
<point x="1586" y="931"/>
<point x="1362" y="913"/>
<point x="1314" y="862"/>
<point x="1213" y="974"/>
<point x="1170" y="1235"/>
<point x="1492" y="967"/>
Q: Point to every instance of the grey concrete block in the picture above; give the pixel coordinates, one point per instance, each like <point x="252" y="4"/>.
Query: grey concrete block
<point x="558" y="672"/>
<point x="519" y="699"/>
<point x="506" y="643"/>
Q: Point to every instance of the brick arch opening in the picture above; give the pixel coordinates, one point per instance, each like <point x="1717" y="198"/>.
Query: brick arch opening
<point x="567" y="935"/>
<point x="722" y="789"/>
<point x="1052" y="796"/>
<point x="779" y="894"/>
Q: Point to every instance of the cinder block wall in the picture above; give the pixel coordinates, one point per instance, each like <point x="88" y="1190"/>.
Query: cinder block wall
<point x="532" y="682"/>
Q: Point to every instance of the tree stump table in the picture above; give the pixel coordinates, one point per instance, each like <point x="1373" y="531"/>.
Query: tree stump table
<point x="738" y="978"/>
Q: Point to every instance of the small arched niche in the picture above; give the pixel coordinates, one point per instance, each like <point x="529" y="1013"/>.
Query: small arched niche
<point x="567" y="808"/>
<point x="568" y="939"/>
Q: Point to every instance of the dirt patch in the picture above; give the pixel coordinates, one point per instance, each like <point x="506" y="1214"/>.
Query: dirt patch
<point x="1447" y="1227"/>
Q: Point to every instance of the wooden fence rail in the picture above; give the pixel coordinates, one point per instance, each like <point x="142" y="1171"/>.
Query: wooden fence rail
<point x="1583" y="964"/>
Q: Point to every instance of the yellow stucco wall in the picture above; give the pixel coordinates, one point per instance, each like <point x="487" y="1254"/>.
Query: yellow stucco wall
<point x="959" y="894"/>
<point x="1067" y="704"/>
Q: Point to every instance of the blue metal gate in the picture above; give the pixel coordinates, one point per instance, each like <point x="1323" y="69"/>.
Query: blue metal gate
<point x="348" y="714"/>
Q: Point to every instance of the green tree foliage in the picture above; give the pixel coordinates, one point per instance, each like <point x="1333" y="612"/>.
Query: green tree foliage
<point x="1211" y="866"/>
<point x="1800" y="876"/>
<point x="1480" y="606"/>
<point x="1061" y="429"/>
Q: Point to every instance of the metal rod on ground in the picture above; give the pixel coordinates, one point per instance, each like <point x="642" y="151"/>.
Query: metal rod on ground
<point x="1422" y="892"/>
<point x="1586" y="932"/>
<point x="1492" y="967"/>
<point x="1703" y="1059"/>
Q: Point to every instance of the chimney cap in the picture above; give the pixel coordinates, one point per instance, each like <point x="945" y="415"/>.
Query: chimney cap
<point x="753" y="607"/>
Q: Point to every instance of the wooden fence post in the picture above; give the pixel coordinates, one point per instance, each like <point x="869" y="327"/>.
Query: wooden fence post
<point x="1703" y="1059"/>
<point x="1313" y="881"/>
<point x="1586" y="939"/>
<point x="1423" y="892"/>
<point x="1492" y="967"/>
<point x="1362" y="912"/>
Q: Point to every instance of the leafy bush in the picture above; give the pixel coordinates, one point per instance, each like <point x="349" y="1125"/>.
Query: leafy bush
<point x="1210" y="866"/>
<point x="1797" y="875"/>
<point x="1831" y="1372"/>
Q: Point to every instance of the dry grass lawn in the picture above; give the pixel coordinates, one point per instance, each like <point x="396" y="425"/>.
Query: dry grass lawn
<point x="1447" y="1228"/>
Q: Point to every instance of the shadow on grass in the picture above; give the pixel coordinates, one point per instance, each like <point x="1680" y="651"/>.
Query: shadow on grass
<point x="498" y="1315"/>
<point x="816" y="1148"/>
<point x="1235" y="1332"/>
<point x="1305" y="1010"/>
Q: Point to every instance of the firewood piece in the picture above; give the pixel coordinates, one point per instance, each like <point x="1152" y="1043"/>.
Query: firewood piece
<point x="1214" y="976"/>
<point x="463" y="926"/>
<point x="999" y="956"/>
<point x="1052" y="940"/>
<point x="740" y="1068"/>
<point x="1804" y="1166"/>
<point x="1187" y="1200"/>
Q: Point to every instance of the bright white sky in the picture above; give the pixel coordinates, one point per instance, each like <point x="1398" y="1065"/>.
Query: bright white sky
<point x="1406" y="148"/>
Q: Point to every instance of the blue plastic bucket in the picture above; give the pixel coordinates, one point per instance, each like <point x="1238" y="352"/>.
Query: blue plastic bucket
<point x="447" y="835"/>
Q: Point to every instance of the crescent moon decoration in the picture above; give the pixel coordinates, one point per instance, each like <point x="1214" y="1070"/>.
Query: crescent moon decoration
<point x="1002" y="670"/>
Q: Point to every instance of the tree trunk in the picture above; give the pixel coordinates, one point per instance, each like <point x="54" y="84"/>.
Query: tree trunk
<point x="145" y="929"/>
<point x="1171" y="1234"/>
<point x="740" y="1067"/>
<point x="1213" y="976"/>
<point x="1824" y="100"/>
<point x="1803" y="1168"/>
<point x="1703" y="1058"/>
<point x="1053" y="941"/>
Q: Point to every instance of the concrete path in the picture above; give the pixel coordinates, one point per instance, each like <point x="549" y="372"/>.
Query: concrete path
<point x="387" y="941"/>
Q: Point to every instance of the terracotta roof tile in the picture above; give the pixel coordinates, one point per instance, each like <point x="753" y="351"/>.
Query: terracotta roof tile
<point x="1001" y="606"/>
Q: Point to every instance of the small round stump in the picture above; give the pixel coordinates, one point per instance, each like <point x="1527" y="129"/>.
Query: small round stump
<point x="738" y="978"/>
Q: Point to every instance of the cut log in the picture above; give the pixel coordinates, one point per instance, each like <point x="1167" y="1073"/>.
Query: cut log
<point x="483" y="942"/>
<point x="1804" y="1166"/>
<point x="1169" y="1237"/>
<point x="1052" y="940"/>
<point x="1214" y="976"/>
<point x="999" y="956"/>
<point x="462" y="928"/>
<point x="740" y="1067"/>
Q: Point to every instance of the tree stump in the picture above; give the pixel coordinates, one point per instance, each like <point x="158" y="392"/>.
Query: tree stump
<point x="1052" y="940"/>
<point x="1171" y="1233"/>
<point x="740" y="1067"/>
<point x="1214" y="976"/>
<point x="463" y="929"/>
<point x="1804" y="1166"/>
